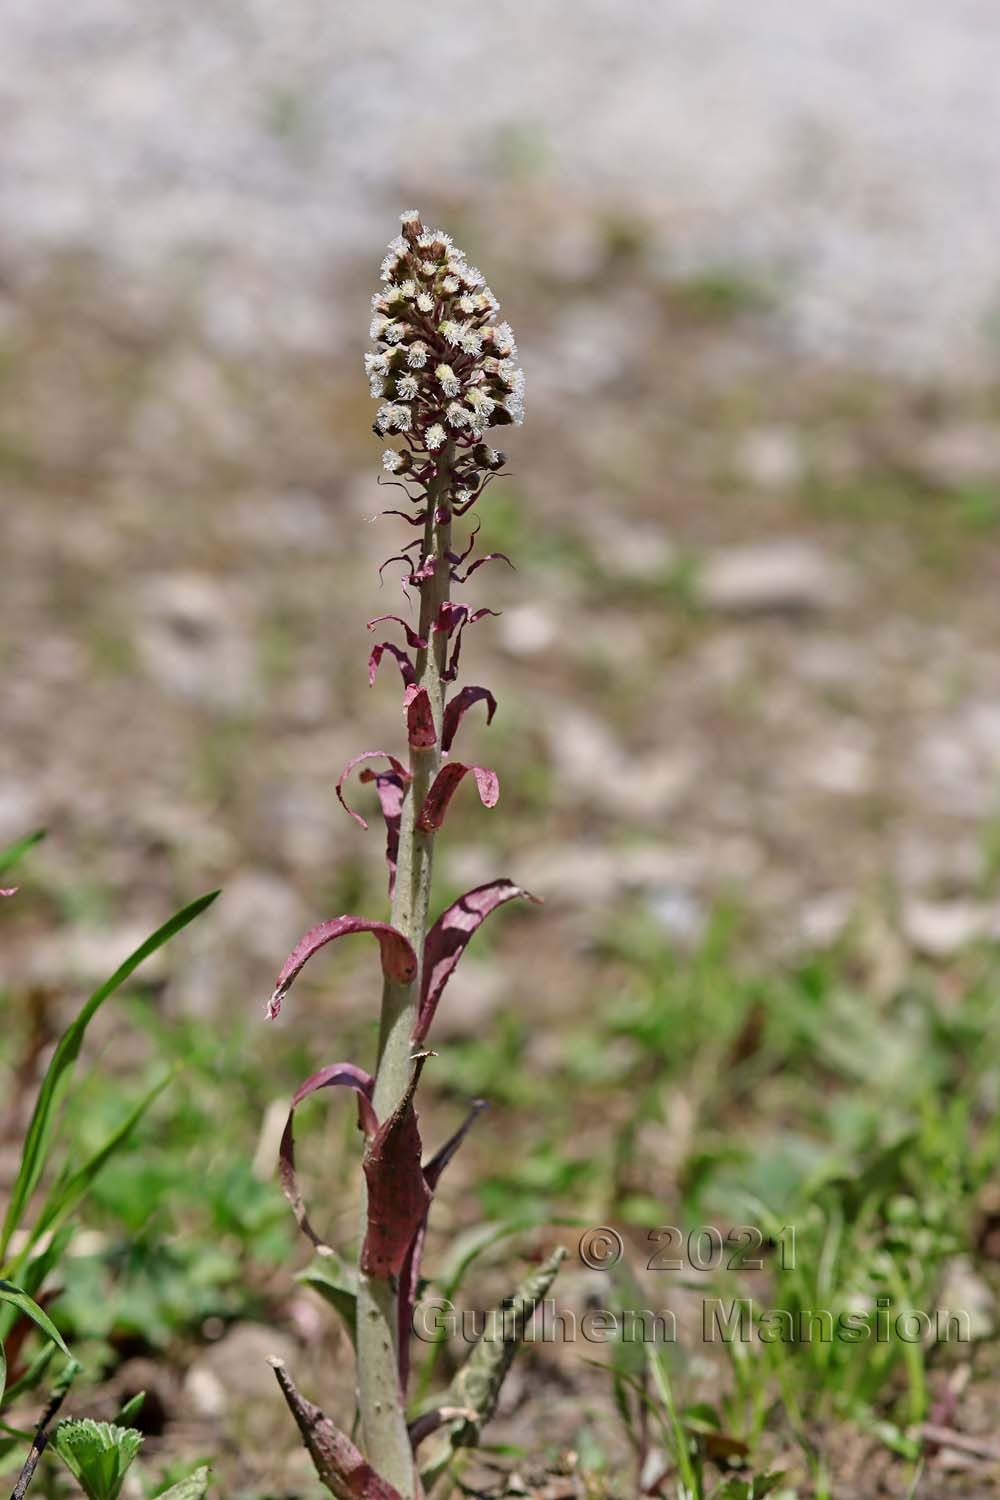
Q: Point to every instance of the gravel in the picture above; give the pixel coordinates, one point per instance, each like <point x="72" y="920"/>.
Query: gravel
<point x="845" y="151"/>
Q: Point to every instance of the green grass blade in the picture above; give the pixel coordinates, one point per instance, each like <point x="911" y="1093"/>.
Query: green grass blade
<point x="194" y="1487"/>
<point x="67" y="1193"/>
<point x="43" y="1120"/>
<point x="682" y="1456"/>
<point x="33" y="1375"/>
<point x="19" y="1299"/>
<point x="13" y="852"/>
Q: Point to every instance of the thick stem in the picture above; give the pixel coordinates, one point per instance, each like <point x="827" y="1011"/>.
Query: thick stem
<point x="381" y="1401"/>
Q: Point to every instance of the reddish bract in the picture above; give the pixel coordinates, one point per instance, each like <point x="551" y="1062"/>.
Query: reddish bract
<point x="458" y="706"/>
<point x="343" y="1075"/>
<point x="399" y="961"/>
<point x="405" y="664"/>
<point x="420" y="729"/>
<point x="447" y="939"/>
<point x="398" y="1195"/>
<point x="398" y="768"/>
<point x="445" y="785"/>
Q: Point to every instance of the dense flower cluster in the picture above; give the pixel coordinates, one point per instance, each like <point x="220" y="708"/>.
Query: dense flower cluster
<point x="444" y="369"/>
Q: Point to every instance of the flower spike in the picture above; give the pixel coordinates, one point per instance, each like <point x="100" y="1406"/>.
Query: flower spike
<point x="443" y="370"/>
<point x="442" y="366"/>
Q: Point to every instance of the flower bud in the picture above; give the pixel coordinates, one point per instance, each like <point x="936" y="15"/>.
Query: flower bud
<point x="489" y="458"/>
<point x="412" y="227"/>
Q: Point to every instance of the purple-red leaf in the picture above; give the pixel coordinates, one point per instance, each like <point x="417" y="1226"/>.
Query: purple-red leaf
<point x="488" y="557"/>
<point x="452" y="620"/>
<point x="414" y="520"/>
<point x="419" y="718"/>
<point x="397" y="766"/>
<point x="406" y="669"/>
<point x="398" y="1196"/>
<point x="344" y="1075"/>
<point x="448" y="937"/>
<point x="399" y="557"/>
<point x="409" y="1276"/>
<point x="415" y="641"/>
<point x="444" y="1153"/>
<point x="459" y="557"/>
<point x="341" y="1468"/>
<point x="458" y="707"/>
<point x="444" y="787"/>
<point x="399" y="961"/>
<point x="391" y="790"/>
<point x="449" y="615"/>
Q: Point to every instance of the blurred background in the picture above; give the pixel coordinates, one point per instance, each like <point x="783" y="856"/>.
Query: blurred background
<point x="749" y="724"/>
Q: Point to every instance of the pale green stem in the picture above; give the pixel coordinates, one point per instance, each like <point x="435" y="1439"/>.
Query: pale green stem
<point x="380" y="1400"/>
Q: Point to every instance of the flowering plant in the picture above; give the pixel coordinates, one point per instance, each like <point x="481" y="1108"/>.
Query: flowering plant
<point x="445" y="372"/>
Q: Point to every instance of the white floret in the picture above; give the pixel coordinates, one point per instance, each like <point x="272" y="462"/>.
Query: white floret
<point x="394" y="416"/>
<point x="515" y="406"/>
<point x="458" y="416"/>
<point x="503" y="341"/>
<point x="481" y="404"/>
<point x="448" y="380"/>
<point x="512" y="376"/>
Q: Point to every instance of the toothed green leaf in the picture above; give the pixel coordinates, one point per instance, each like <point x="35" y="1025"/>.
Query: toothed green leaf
<point x="97" y="1454"/>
